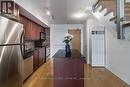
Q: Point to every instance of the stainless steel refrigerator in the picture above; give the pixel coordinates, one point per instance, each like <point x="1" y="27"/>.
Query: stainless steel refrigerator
<point x="11" y="41"/>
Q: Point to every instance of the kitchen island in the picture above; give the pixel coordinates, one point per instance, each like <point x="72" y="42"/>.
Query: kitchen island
<point x="68" y="71"/>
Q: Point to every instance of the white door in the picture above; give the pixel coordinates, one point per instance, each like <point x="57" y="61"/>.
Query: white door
<point x="98" y="54"/>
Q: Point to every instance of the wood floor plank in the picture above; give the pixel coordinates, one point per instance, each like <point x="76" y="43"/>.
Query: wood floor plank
<point x="43" y="77"/>
<point x="101" y="77"/>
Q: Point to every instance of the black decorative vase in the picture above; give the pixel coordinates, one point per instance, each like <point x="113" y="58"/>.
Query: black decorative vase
<point x="67" y="50"/>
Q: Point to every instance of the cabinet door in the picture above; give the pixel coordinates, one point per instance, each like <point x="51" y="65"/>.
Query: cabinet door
<point x="27" y="27"/>
<point x="24" y="22"/>
<point x="37" y="32"/>
<point x="34" y="31"/>
<point x="41" y="56"/>
<point x="29" y="30"/>
<point x="44" y="54"/>
<point x="35" y="60"/>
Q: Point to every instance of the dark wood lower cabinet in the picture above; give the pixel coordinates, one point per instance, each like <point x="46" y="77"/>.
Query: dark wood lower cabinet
<point x="41" y="56"/>
<point x="35" y="60"/>
<point x="38" y="58"/>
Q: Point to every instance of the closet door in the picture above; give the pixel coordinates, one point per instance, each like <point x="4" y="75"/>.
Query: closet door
<point x="97" y="41"/>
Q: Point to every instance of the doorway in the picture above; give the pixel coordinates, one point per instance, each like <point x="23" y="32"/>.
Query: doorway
<point x="76" y="41"/>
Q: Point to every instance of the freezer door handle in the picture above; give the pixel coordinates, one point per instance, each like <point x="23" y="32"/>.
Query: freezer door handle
<point x="10" y="44"/>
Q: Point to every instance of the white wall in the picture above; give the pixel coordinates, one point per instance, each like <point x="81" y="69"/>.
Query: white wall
<point x="118" y="56"/>
<point x="85" y="40"/>
<point x="117" y="51"/>
<point x="58" y="31"/>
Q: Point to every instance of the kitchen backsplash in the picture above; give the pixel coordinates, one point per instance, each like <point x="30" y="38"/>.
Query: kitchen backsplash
<point x="29" y="46"/>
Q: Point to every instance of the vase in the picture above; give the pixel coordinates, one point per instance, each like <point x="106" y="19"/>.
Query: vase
<point x="67" y="50"/>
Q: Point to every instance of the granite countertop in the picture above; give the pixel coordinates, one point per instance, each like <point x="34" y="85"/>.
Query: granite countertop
<point x="28" y="54"/>
<point x="74" y="54"/>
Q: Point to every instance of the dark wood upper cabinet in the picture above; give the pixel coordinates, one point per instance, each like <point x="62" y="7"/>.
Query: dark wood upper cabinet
<point x="28" y="30"/>
<point x="27" y="27"/>
<point x="32" y="29"/>
<point x="33" y="32"/>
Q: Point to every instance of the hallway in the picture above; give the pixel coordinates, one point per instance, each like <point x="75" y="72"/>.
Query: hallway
<point x="46" y="75"/>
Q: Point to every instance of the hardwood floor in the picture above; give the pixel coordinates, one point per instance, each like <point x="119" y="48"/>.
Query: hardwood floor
<point x="43" y="77"/>
<point x="101" y="77"/>
<point x="93" y="77"/>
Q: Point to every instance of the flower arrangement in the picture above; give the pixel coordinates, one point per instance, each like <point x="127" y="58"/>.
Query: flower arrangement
<point x="68" y="38"/>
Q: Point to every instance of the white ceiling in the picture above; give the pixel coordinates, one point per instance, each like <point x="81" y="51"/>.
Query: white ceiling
<point x="62" y="10"/>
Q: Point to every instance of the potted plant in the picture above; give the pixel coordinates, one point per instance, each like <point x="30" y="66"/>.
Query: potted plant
<point x="67" y="39"/>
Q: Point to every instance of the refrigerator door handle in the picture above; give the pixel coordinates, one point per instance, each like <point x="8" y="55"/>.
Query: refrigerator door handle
<point x="22" y="43"/>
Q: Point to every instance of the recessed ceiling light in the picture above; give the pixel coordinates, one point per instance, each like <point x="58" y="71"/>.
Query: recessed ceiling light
<point x="88" y="8"/>
<point x="48" y="12"/>
<point x="79" y="15"/>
